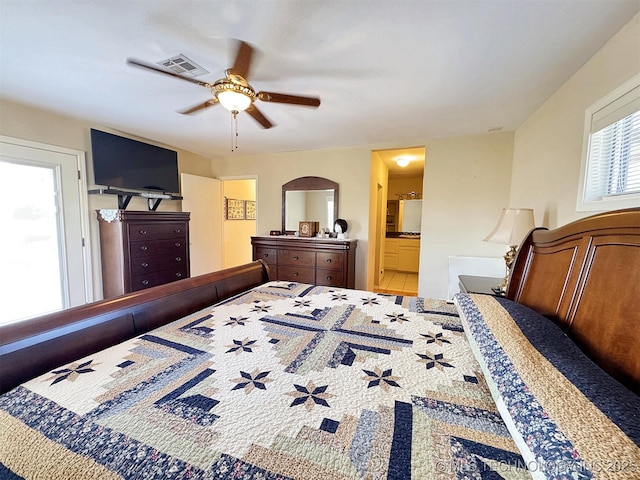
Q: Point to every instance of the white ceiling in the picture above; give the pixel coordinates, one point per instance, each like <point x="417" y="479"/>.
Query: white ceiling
<point x="389" y="72"/>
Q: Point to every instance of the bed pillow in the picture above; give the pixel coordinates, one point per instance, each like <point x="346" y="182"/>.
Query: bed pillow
<point x="568" y="417"/>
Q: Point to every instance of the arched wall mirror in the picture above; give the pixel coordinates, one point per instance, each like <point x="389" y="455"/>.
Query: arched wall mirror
<point x="313" y="199"/>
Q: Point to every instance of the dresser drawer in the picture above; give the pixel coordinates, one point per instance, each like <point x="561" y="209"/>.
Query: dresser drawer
<point x="269" y="255"/>
<point x="330" y="260"/>
<point x="156" y="263"/>
<point x="329" y="269"/>
<point x="297" y="257"/>
<point x="145" y="248"/>
<point x="296" y="274"/>
<point x="329" y="278"/>
<point x="140" y="282"/>
<point x="140" y="231"/>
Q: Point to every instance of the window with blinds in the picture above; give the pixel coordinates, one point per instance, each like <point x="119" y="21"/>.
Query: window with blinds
<point x="611" y="163"/>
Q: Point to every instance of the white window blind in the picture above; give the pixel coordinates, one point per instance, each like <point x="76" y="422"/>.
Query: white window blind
<point x="612" y="164"/>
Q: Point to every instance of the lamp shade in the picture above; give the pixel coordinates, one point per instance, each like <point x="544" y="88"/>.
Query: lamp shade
<point x="513" y="225"/>
<point x="234" y="101"/>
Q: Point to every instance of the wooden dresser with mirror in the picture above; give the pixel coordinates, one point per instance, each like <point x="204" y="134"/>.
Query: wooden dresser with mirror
<point x="320" y="261"/>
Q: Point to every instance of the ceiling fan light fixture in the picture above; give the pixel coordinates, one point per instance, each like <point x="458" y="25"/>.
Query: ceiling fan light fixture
<point x="232" y="96"/>
<point x="234" y="101"/>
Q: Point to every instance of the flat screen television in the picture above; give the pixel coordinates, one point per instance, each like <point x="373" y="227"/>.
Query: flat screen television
<point x="129" y="164"/>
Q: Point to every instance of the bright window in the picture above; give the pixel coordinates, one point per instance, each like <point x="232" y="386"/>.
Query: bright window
<point x="611" y="160"/>
<point x="37" y="258"/>
<point x="46" y="263"/>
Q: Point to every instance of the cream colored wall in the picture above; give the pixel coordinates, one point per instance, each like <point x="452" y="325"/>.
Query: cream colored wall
<point x="237" y="233"/>
<point x="548" y="146"/>
<point x="29" y="123"/>
<point x="347" y="166"/>
<point x="465" y="186"/>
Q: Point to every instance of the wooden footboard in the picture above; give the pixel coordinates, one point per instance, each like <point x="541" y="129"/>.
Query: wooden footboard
<point x="586" y="277"/>
<point x="32" y="347"/>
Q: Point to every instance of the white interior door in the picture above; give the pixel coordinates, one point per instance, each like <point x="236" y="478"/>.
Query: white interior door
<point x="45" y="222"/>
<point x="202" y="197"/>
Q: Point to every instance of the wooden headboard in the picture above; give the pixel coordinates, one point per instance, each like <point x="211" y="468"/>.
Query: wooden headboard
<point x="586" y="277"/>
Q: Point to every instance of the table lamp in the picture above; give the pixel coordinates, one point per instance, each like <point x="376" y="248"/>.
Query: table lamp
<point x="514" y="224"/>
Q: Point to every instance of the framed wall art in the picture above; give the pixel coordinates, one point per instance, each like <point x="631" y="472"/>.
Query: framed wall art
<point x="234" y="209"/>
<point x="249" y="210"/>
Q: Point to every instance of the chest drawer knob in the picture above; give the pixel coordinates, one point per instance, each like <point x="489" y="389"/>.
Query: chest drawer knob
<point x="144" y="248"/>
<point x="178" y="274"/>
<point x="178" y="259"/>
<point x="145" y="282"/>
<point x="328" y="260"/>
<point x="143" y="232"/>
<point x="328" y="277"/>
<point x="265" y="255"/>
<point x="295" y="258"/>
<point x="178" y="244"/>
<point x="178" y="230"/>
<point x="144" y="264"/>
<point x="295" y="274"/>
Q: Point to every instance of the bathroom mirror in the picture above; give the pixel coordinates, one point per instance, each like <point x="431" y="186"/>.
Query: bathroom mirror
<point x="411" y="216"/>
<point x="313" y="199"/>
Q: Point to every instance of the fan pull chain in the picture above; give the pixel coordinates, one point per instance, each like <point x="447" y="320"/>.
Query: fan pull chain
<point x="231" y="131"/>
<point x="234" y="130"/>
<point x="235" y="118"/>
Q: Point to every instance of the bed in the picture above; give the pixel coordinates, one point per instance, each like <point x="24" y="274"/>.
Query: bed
<point x="230" y="375"/>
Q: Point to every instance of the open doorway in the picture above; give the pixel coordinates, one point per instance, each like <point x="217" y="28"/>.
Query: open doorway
<point x="402" y="229"/>
<point x="219" y="240"/>
<point x="238" y="229"/>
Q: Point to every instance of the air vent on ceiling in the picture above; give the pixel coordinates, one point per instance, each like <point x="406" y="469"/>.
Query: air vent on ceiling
<point x="183" y="65"/>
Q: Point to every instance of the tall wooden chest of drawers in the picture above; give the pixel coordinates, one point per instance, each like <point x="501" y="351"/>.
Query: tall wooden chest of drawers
<point x="329" y="262"/>
<point x="142" y="249"/>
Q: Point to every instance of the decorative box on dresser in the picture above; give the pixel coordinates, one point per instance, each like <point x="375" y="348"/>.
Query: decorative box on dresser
<point x="142" y="249"/>
<point x="329" y="262"/>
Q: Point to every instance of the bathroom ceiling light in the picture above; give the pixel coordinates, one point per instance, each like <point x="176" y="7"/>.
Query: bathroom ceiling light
<point x="402" y="161"/>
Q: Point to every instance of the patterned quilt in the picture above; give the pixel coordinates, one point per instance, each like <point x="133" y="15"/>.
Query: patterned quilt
<point x="287" y="380"/>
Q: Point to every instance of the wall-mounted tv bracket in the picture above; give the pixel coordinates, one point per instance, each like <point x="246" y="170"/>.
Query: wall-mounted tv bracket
<point x="125" y="196"/>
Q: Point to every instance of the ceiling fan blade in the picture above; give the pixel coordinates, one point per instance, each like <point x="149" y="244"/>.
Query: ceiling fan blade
<point x="243" y="60"/>
<point x="258" y="116"/>
<point x="291" y="99"/>
<point x="200" y="106"/>
<point x="155" y="68"/>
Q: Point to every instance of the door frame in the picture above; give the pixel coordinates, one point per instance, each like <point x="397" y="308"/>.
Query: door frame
<point x="231" y="178"/>
<point x="83" y="200"/>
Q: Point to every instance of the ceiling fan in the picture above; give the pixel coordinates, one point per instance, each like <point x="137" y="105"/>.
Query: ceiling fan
<point x="233" y="91"/>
